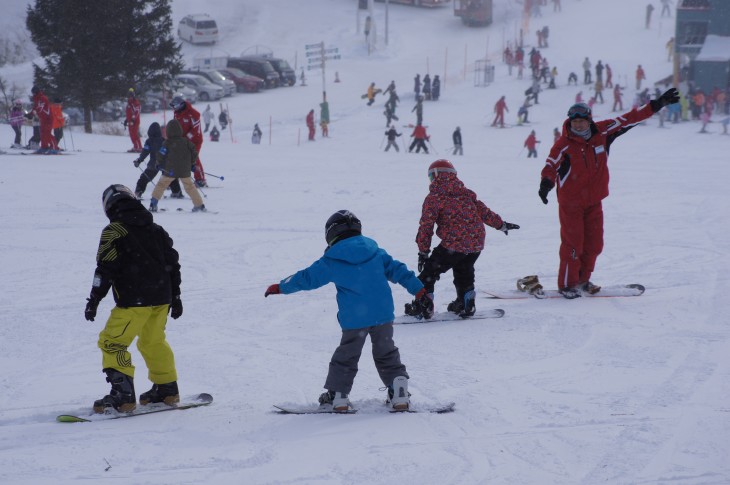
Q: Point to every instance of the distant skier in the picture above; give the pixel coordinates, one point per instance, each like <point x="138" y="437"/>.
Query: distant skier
<point x="436" y="88"/>
<point x="420" y="137"/>
<point x="531" y="144"/>
<point x="324" y="117"/>
<point x="418" y="108"/>
<point x="392" y="141"/>
<point x="587" y="71"/>
<point x="215" y="135"/>
<point x="207" y="118"/>
<point x="618" y="104"/>
<point x="427" y="87"/>
<point x="572" y="78"/>
<point x="16" y="122"/>
<point x="458" y="144"/>
<point x="132" y="119"/>
<point x="649" y="10"/>
<point x="223" y="119"/>
<point x="256" y="135"/>
<point x="640" y="76"/>
<point x="609" y="77"/>
<point x="499" y="108"/>
<point x="310" y="124"/>
<point x="417" y="85"/>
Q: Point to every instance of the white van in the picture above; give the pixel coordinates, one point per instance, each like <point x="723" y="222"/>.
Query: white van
<point x="198" y="29"/>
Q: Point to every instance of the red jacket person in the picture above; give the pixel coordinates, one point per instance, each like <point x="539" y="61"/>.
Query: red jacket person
<point x="578" y="164"/>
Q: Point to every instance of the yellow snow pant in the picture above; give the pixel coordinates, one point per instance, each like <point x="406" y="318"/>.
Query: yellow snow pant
<point x="147" y="323"/>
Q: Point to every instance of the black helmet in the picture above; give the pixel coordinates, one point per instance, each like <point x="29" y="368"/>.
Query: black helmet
<point x="339" y="223"/>
<point x="178" y="102"/>
<point x="113" y="194"/>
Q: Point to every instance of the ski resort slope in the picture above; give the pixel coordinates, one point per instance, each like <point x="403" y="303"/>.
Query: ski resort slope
<point x="587" y="391"/>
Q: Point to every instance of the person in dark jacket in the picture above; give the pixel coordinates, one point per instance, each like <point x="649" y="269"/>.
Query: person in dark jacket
<point x="458" y="145"/>
<point x="177" y="160"/>
<point x="460" y="217"/>
<point x="151" y="147"/>
<point x="360" y="271"/>
<point x="427" y="87"/>
<point x="578" y="165"/>
<point x="436" y="88"/>
<point x="392" y="142"/>
<point x="136" y="259"/>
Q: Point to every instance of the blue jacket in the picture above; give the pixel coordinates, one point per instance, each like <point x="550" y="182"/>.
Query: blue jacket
<point x="360" y="270"/>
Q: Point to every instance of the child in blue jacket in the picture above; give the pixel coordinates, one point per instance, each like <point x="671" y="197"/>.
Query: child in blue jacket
<point x="361" y="271"/>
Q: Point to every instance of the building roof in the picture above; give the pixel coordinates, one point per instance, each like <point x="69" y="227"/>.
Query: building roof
<point x="716" y="49"/>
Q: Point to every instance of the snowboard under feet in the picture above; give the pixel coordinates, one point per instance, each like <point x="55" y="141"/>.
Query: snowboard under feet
<point x="365" y="408"/>
<point x="203" y="399"/>
<point x="449" y="317"/>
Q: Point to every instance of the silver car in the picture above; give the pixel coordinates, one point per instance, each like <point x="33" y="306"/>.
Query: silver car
<point x="207" y="91"/>
<point x="217" y="77"/>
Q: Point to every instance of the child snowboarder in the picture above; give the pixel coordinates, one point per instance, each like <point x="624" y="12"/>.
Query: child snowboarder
<point x="177" y="159"/>
<point x="360" y="271"/>
<point x="135" y="259"/>
<point x="460" y="218"/>
<point x="151" y="147"/>
<point x="256" y="135"/>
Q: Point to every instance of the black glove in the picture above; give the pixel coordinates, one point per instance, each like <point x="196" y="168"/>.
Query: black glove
<point x="176" y="309"/>
<point x="124" y="123"/>
<point x="425" y="301"/>
<point x="136" y="162"/>
<point x="90" y="312"/>
<point x="546" y="186"/>
<point x="422" y="258"/>
<point x="670" y="96"/>
<point x="506" y="226"/>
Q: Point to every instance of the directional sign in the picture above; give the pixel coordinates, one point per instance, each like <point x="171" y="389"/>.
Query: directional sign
<point x="314" y="66"/>
<point x="332" y="50"/>
<point x="315" y="59"/>
<point x="313" y="53"/>
<point x="329" y="58"/>
<point x="314" y="46"/>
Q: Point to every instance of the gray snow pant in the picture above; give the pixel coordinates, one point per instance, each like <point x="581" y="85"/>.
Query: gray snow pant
<point x="343" y="365"/>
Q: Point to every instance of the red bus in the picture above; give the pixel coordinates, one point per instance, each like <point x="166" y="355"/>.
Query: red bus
<point x="474" y="12"/>
<point x="420" y="3"/>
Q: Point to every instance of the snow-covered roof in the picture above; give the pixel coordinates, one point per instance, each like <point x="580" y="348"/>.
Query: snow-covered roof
<point x="715" y="48"/>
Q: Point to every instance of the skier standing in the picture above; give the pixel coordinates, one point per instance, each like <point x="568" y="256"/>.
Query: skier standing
<point x="618" y="104"/>
<point x="649" y="10"/>
<point x="189" y="119"/>
<point x="459" y="217"/>
<point x="436" y="88"/>
<point x="531" y="144"/>
<point x="256" y="135"/>
<point x="137" y="260"/>
<point x="207" y="118"/>
<point x="223" y="119"/>
<point x="177" y="155"/>
<point x="58" y="122"/>
<point x="392" y="142"/>
<point x="458" y="145"/>
<point x="310" y="124"/>
<point x="419" y="139"/>
<point x="609" y="77"/>
<point x="360" y="271"/>
<point x="640" y="76"/>
<point x="499" y="108"/>
<point x="131" y="120"/>
<point x="586" y="71"/>
<point x="324" y="117"/>
<point x="16" y="122"/>
<point x="417" y="85"/>
<point x="418" y="108"/>
<point x="578" y="163"/>
<point x="427" y="87"/>
<point x="42" y="109"/>
<point x="151" y="147"/>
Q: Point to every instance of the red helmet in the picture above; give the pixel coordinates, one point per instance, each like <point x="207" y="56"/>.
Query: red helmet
<point x="440" y="166"/>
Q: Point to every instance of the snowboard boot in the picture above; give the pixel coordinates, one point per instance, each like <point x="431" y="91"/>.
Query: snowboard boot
<point x="590" y="288"/>
<point x="456" y="306"/>
<point x="416" y="309"/>
<point x="334" y="401"/>
<point x="121" y="397"/>
<point x="166" y="393"/>
<point x="398" y="395"/>
<point x="200" y="208"/>
<point x="469" y="304"/>
<point x="530" y="284"/>
<point x="570" y="293"/>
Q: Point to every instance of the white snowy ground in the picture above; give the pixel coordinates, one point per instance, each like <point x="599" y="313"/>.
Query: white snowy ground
<point x="624" y="390"/>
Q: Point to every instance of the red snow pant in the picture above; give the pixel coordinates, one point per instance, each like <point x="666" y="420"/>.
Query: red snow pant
<point x="47" y="139"/>
<point x="311" y="132"/>
<point x="199" y="173"/>
<point x="134" y="135"/>
<point x="581" y="241"/>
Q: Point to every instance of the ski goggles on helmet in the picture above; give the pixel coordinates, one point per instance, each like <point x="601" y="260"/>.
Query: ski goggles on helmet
<point x="431" y="176"/>
<point x="579" y="110"/>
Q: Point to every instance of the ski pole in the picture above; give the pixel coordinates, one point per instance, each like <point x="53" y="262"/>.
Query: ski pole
<point x="381" y="142"/>
<point x="523" y="149"/>
<point x="216" y="176"/>
<point x="73" y="147"/>
<point x="432" y="148"/>
<point x="148" y="177"/>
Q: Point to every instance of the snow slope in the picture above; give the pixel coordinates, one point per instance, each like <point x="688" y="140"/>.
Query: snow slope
<point x="624" y="390"/>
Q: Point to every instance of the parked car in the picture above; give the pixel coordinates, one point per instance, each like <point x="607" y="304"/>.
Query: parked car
<point x="245" y="83"/>
<point x="257" y="66"/>
<point x="206" y="90"/>
<point x="110" y="111"/>
<point x="149" y="104"/>
<point x="164" y="98"/>
<point x="286" y="74"/>
<point x="198" y="29"/>
<point x="216" y="77"/>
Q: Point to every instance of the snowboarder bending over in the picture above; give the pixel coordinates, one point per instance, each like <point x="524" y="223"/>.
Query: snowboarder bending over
<point x="584" y="184"/>
<point x="460" y="217"/>
<point x="360" y="271"/>
<point x="136" y="259"/>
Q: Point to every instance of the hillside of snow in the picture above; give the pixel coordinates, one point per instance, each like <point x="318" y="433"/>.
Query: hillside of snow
<point x="587" y="391"/>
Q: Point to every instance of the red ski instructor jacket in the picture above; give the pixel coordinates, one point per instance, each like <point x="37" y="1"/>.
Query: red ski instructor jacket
<point x="578" y="167"/>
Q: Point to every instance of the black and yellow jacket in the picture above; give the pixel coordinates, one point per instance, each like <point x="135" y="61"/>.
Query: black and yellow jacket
<point x="136" y="259"/>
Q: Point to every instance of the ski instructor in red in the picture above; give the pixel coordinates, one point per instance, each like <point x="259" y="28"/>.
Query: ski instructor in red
<point x="578" y="164"/>
<point x="189" y="119"/>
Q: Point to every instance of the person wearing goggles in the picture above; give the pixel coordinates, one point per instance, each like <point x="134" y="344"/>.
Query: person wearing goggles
<point x="578" y="165"/>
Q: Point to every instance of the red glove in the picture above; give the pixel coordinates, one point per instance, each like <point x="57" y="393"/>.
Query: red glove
<point x="272" y="290"/>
